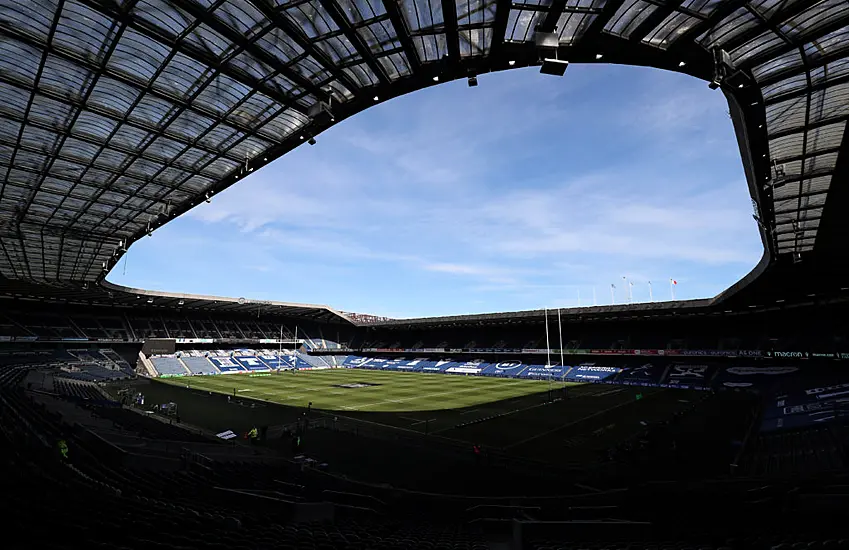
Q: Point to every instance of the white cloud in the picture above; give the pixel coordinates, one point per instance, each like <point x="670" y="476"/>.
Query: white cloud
<point x="494" y="190"/>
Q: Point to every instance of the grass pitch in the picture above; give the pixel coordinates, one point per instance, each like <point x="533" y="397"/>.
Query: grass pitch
<point x="359" y="390"/>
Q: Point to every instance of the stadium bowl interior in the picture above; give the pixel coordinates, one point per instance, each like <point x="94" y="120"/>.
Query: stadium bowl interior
<point x="140" y="419"/>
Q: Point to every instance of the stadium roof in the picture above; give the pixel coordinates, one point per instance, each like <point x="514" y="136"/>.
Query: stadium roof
<point x="118" y="115"/>
<point x="108" y="294"/>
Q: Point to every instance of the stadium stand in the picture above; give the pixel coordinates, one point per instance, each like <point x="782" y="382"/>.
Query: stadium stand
<point x="169" y="365"/>
<point x="199" y="365"/>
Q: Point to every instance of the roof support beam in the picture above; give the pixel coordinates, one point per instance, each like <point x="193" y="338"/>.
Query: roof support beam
<point x="403" y="33"/>
<point x="797" y="210"/>
<point x="499" y="29"/>
<point x="811" y="126"/>
<point x="829" y="27"/>
<point x="549" y="24"/>
<point x="750" y="34"/>
<point x="191" y="51"/>
<point x="148" y="90"/>
<point x="657" y="17"/>
<point x="248" y="46"/>
<point x="355" y="39"/>
<point x="724" y="10"/>
<point x="805" y="91"/>
<point x="267" y="8"/>
<point x="804" y="176"/>
<point x="808" y="154"/>
<point x="43" y="61"/>
<point x="598" y="24"/>
<point x="800" y="69"/>
<point x="452" y="34"/>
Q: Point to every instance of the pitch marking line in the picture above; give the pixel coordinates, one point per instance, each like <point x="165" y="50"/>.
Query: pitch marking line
<point x="422" y="422"/>
<point x="414" y="398"/>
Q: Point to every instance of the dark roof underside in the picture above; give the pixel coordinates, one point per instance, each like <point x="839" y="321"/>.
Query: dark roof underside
<point x="116" y="116"/>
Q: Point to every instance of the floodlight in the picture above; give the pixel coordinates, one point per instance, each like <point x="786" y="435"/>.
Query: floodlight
<point x="436" y="79"/>
<point x="511" y="62"/>
<point x="554" y="67"/>
<point x="311" y="141"/>
<point x="598" y="56"/>
<point x="473" y="81"/>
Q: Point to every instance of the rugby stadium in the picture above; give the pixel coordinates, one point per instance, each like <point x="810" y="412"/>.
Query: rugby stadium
<point x="134" y="419"/>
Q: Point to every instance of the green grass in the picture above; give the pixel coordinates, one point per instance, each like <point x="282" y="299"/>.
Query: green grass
<point x="390" y="392"/>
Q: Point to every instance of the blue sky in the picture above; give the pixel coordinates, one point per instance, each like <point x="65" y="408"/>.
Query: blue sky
<point x="525" y="192"/>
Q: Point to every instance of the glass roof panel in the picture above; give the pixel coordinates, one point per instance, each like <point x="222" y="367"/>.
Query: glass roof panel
<point x="475" y="41"/>
<point x="340" y="50"/>
<point x="422" y="14"/>
<point x="785" y="62"/>
<point x="675" y="25"/>
<point x="361" y="74"/>
<point x="312" y="18"/>
<point x="63" y="78"/>
<point x="136" y="58"/>
<point x="430" y="47"/>
<point x="208" y="40"/>
<point x="521" y="24"/>
<point x="572" y="26"/>
<point x="814" y="18"/>
<point x="395" y="66"/>
<point x="738" y="23"/>
<point x="475" y="12"/>
<point x="379" y="37"/>
<point x="361" y="10"/>
<point x="242" y="18"/>
<point x="829" y="44"/>
<point x="18" y="61"/>
<point x="628" y="17"/>
<point x="32" y="18"/>
<point x="704" y="7"/>
<point x="763" y="44"/>
<point x="83" y="32"/>
<point x="163" y="15"/>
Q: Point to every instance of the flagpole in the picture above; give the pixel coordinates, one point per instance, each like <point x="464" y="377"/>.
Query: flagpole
<point x="560" y="333"/>
<point x="547" y="345"/>
<point x="672" y="289"/>
<point x="651" y="296"/>
<point x="579" y="299"/>
<point x="612" y="295"/>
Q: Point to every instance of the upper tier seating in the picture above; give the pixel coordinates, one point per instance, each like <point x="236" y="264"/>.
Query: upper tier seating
<point x="199" y="365"/>
<point x="168" y="365"/>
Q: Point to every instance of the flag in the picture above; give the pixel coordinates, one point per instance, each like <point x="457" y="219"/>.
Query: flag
<point x="612" y="285"/>
<point x="674" y="282"/>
